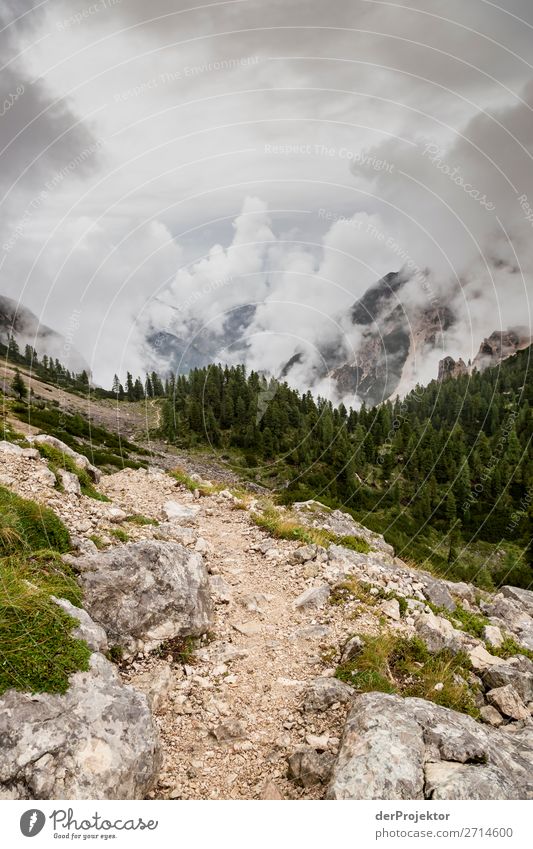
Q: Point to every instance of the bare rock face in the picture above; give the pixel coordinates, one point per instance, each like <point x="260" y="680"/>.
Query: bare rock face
<point x="98" y="741"/>
<point x="448" y="367"/>
<point x="146" y="592"/>
<point x="80" y="460"/>
<point x="394" y="748"/>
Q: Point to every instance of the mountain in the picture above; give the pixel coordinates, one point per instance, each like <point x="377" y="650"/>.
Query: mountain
<point x="23" y="325"/>
<point x="392" y="335"/>
<point x="497" y="347"/>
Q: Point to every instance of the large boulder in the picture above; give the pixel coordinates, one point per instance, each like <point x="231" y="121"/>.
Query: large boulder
<point x="79" y="459"/>
<point x="523" y="597"/>
<point x="98" y="741"/>
<point x="146" y="592"/>
<point x="395" y="748"/>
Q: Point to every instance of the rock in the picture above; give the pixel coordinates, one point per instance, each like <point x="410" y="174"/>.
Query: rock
<point x="146" y="592"/>
<point x="116" y="515"/>
<point x="324" y="692"/>
<point x="98" y="741"/>
<point x="227" y="652"/>
<point x="311" y="570"/>
<point x="493" y="635"/>
<point x="70" y="482"/>
<point x="462" y="591"/>
<point x="313" y="632"/>
<point x="83" y="545"/>
<point x="304" y="553"/>
<point x="314" y="597"/>
<point x="518" y="674"/>
<point x="270" y="792"/>
<point x="229" y="731"/>
<point x="156" y="684"/>
<point x="321" y="744"/>
<point x="308" y="767"/>
<point x="352" y="648"/>
<point x="175" y="512"/>
<point x="317" y="515"/>
<point x="394" y="748"/>
<point x="457" y="781"/>
<point x="30" y="453"/>
<point x="508" y="702"/>
<point x="391" y="608"/>
<point x="381" y="754"/>
<point x="491" y="716"/>
<point x="202" y="546"/>
<point x="481" y="659"/>
<point x="80" y="460"/>
<point x="10" y="448"/>
<point x="437" y="592"/>
<point x="44" y="476"/>
<point x="87" y="630"/>
<point x="176" y="533"/>
<point x="438" y="633"/>
<point x="523" y="597"/>
<point x="249" y="629"/>
<point x="220" y="590"/>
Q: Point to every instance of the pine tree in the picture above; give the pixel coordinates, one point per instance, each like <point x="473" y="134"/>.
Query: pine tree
<point x="18" y="386"/>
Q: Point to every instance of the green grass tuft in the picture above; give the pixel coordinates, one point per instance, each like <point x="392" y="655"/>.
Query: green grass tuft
<point x="37" y="650"/>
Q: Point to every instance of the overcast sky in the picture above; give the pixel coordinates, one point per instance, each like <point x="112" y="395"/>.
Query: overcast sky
<point x="164" y="162"/>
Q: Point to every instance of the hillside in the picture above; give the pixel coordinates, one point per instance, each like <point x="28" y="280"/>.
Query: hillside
<point x="228" y="642"/>
<point x="170" y="560"/>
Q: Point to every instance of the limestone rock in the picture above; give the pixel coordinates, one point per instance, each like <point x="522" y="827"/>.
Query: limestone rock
<point x="523" y="597"/>
<point x="352" y="649"/>
<point x="146" y="592"/>
<point x="491" y="716"/>
<point x="220" y="590"/>
<point x="304" y="553"/>
<point x="508" y="702"/>
<point x="446" y="780"/>
<point x="481" y="659"/>
<point x="156" y="684"/>
<point x="518" y="672"/>
<point x="437" y="592"/>
<point x="270" y="792"/>
<point x="80" y="460"/>
<point x="391" y="608"/>
<point x="98" y="741"/>
<point x="173" y="511"/>
<point x="314" y="597"/>
<point x="93" y="634"/>
<point x="394" y="748"/>
<point x="308" y="767"/>
<point x="70" y="482"/>
<point x="493" y="635"/>
<point x="324" y="692"/>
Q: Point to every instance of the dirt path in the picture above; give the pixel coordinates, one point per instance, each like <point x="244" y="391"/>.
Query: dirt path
<point x="232" y="715"/>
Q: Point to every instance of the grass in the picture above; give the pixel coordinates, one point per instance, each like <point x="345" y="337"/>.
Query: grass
<point x="101" y="446"/>
<point x="181" y="649"/>
<point x="185" y="480"/>
<point x="27" y="526"/>
<point x="402" y="665"/>
<point x="57" y="459"/>
<point x="282" y="526"/>
<point x="119" y="534"/>
<point x="140" y="520"/>
<point x="351" y="588"/>
<point x="37" y="651"/>
<point x="98" y="541"/>
<point x="509" y="648"/>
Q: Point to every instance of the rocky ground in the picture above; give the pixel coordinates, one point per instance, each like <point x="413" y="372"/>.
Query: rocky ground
<point x="252" y="709"/>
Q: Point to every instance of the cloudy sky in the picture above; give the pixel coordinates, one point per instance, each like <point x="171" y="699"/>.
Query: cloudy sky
<point x="163" y="163"/>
